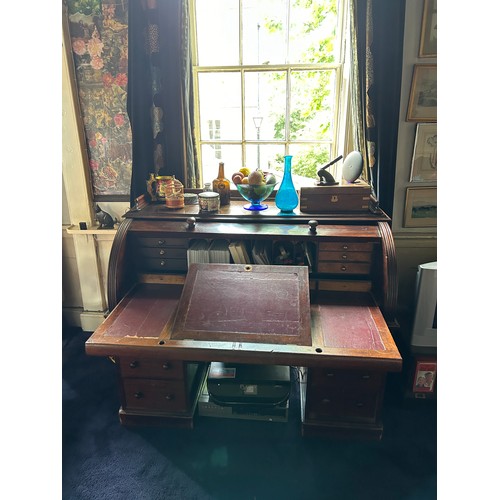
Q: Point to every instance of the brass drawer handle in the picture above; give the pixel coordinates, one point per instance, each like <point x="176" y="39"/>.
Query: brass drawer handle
<point x="169" y="397"/>
<point x="138" y="395"/>
<point x="134" y="364"/>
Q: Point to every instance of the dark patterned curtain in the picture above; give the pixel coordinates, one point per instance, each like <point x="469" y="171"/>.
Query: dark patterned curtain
<point x="377" y="30"/>
<point x="160" y="93"/>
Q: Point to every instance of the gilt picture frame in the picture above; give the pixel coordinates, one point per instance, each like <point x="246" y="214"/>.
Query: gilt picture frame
<point x="428" y="34"/>
<point x="420" y="207"/>
<point x="422" y="106"/>
<point x="424" y="160"/>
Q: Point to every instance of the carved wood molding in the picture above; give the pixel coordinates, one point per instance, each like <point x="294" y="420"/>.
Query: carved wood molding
<point x="390" y="276"/>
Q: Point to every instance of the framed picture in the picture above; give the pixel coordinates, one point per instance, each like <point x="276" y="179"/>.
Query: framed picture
<point x="421" y="207"/>
<point x="424" y="160"/>
<point x="423" y="94"/>
<point x="428" y="35"/>
<point x="425" y="377"/>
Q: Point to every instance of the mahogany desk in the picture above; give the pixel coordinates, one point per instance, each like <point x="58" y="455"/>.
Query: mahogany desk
<point x="345" y="355"/>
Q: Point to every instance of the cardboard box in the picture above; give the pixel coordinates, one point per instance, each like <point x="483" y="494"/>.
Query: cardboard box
<point x="341" y="198"/>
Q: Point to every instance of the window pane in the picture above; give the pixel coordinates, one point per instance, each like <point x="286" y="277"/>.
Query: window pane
<point x="312" y="32"/>
<point x="217" y="32"/>
<point x="267" y="157"/>
<point x="309" y="158"/>
<point x="220" y="104"/>
<point x="265" y="105"/>
<point x="311" y="111"/>
<point x="264" y="32"/>
<point x="212" y="154"/>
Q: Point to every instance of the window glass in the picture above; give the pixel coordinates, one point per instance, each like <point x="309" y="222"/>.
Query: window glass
<point x="266" y="78"/>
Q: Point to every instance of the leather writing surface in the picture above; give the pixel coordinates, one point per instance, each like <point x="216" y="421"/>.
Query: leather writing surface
<point x="245" y="303"/>
<point x="349" y="326"/>
<point x="146" y="313"/>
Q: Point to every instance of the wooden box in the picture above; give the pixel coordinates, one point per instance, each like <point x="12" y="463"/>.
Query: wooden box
<point x="341" y="198"/>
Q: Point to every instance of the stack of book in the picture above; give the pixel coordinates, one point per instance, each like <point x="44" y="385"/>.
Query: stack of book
<point x="261" y="252"/>
<point x="218" y="252"/>
<point x="239" y="252"/>
<point x="198" y="252"/>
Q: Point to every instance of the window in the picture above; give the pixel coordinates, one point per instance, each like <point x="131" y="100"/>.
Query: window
<point x="268" y="79"/>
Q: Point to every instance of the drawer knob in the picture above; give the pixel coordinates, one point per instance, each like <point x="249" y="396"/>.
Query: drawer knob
<point x="138" y="395"/>
<point x="169" y="397"/>
<point x="343" y="268"/>
<point x="162" y="262"/>
<point x="344" y="256"/>
<point x="134" y="364"/>
<point x="161" y="242"/>
<point x="191" y="222"/>
<point x="166" y="365"/>
<point x="313" y="224"/>
<point x="360" y="405"/>
<point x="366" y="377"/>
<point x="162" y="252"/>
<point x="344" y="247"/>
<point x="325" y="401"/>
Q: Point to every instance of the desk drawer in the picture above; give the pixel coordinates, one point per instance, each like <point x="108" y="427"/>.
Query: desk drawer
<point x="162" y="265"/>
<point x="348" y="407"/>
<point x="345" y="379"/>
<point x="345" y="256"/>
<point x="343" y="246"/>
<point x="152" y="368"/>
<point x="155" y="395"/>
<point x="162" y="242"/>
<point x="344" y="267"/>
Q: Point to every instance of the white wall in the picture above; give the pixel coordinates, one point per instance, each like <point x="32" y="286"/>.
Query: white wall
<point x="414" y="246"/>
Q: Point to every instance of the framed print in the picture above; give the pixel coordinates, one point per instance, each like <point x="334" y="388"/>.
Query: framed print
<point x="425" y="377"/>
<point x="428" y="35"/>
<point x="421" y="207"/>
<point x="424" y="160"/>
<point x="423" y="94"/>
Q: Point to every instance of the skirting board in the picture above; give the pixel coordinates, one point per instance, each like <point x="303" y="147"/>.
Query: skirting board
<point x="88" y="321"/>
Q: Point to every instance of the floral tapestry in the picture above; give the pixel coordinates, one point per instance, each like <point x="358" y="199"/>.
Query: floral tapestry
<point x="99" y="42"/>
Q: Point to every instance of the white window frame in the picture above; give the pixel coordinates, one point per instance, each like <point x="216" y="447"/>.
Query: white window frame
<point x="341" y="140"/>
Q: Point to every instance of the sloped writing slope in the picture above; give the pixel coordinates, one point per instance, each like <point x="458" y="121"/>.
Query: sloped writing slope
<point x="245" y="303"/>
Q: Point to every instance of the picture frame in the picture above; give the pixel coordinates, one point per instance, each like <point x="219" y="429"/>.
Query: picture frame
<point x="424" y="159"/>
<point x="425" y="377"/>
<point x="428" y="34"/>
<point x="422" y="106"/>
<point x="421" y="207"/>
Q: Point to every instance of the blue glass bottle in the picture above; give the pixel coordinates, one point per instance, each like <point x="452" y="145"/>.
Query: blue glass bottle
<point x="286" y="197"/>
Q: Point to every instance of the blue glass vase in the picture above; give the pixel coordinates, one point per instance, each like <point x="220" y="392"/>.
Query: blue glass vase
<point x="286" y="197"/>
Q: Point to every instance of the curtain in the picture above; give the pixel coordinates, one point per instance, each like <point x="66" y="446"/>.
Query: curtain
<point x="160" y="93"/>
<point x="377" y="30"/>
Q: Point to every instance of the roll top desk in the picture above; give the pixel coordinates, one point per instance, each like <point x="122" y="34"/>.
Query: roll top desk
<point x="352" y="285"/>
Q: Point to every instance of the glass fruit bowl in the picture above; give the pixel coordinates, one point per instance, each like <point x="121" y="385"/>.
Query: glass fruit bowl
<point x="255" y="194"/>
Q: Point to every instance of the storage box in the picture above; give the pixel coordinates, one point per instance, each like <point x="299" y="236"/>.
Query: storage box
<point x="344" y="197"/>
